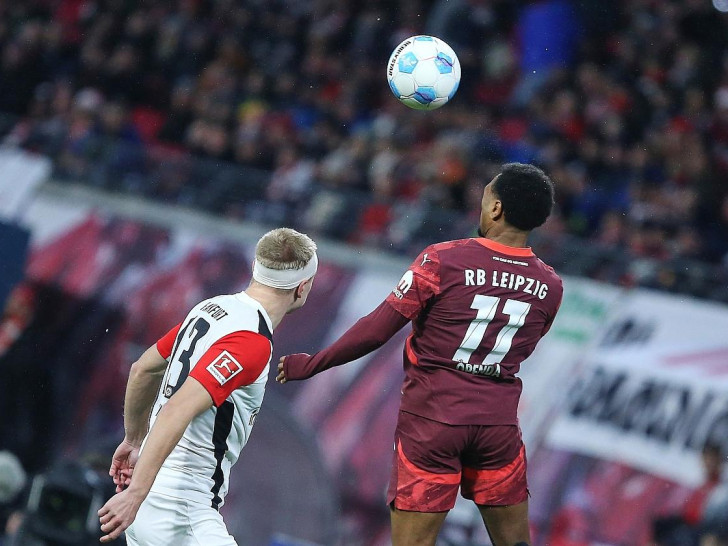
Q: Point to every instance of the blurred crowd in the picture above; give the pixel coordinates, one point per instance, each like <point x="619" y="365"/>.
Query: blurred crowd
<point x="624" y="103"/>
<point x="12" y="482"/>
<point x="703" y="517"/>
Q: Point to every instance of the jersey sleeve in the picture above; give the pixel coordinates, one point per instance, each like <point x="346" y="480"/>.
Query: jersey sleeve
<point x="232" y="362"/>
<point x="419" y="284"/>
<point x="548" y="324"/>
<point x="369" y="333"/>
<point x="166" y="342"/>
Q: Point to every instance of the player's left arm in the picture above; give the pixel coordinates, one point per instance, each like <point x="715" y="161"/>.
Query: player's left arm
<point x="550" y="321"/>
<point x="174" y="417"/>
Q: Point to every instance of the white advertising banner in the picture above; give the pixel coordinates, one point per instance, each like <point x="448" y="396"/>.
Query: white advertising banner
<point x="547" y="372"/>
<point x="653" y="390"/>
<point x="20" y="175"/>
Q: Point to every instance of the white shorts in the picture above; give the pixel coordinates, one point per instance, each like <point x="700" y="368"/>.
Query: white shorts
<point x="164" y="521"/>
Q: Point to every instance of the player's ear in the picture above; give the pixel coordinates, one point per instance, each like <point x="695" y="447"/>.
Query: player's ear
<point x="300" y="289"/>
<point x="496" y="209"/>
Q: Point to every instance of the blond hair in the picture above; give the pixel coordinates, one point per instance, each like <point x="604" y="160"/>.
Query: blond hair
<point x="285" y="248"/>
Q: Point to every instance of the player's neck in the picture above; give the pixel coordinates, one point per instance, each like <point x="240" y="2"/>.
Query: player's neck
<point x="506" y="235"/>
<point x="275" y="305"/>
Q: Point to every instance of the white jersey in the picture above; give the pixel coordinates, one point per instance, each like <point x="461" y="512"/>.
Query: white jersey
<point x="225" y="343"/>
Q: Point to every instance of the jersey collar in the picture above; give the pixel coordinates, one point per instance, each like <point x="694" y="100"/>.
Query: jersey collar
<point x="505" y="249"/>
<point x="243" y="296"/>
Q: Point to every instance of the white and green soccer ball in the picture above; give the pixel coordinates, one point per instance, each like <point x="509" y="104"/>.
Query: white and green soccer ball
<point x="423" y="72"/>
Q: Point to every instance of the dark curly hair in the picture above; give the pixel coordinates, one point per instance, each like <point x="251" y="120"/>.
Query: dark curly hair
<point x="526" y="193"/>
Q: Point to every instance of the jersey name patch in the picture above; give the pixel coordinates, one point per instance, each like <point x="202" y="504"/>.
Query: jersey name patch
<point x="224" y="367"/>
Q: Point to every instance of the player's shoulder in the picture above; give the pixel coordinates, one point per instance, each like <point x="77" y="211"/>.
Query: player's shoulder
<point x="233" y="312"/>
<point x="547" y="268"/>
<point x="226" y="302"/>
<point x="439" y="253"/>
<point x="449" y="245"/>
<point x="239" y="301"/>
<point x="549" y="271"/>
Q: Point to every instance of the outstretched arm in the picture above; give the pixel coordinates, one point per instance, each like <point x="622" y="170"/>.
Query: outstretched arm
<point x="369" y="333"/>
<point x="144" y="379"/>
<point x="119" y="512"/>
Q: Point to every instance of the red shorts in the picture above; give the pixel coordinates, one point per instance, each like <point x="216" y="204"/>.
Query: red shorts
<point x="432" y="460"/>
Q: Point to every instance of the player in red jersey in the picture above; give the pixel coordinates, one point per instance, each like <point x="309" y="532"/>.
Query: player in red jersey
<point x="478" y="308"/>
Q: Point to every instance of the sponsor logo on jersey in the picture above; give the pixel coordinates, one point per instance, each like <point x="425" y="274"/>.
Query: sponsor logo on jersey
<point x="405" y="283"/>
<point x="224" y="367"/>
<point x="489" y="370"/>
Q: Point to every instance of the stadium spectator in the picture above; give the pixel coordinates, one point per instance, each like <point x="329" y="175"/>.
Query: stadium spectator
<point x="714" y="525"/>
<point x="628" y="107"/>
<point x="16" y="315"/>
<point x="12" y="483"/>
<point x="695" y="520"/>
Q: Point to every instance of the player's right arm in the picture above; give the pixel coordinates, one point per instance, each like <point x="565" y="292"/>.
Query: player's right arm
<point x="145" y="377"/>
<point x="233" y="361"/>
<point x="120" y="510"/>
<point x="369" y="333"/>
<point x="419" y="284"/>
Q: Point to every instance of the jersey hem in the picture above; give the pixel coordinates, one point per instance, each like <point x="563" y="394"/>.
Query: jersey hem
<point x="494" y="420"/>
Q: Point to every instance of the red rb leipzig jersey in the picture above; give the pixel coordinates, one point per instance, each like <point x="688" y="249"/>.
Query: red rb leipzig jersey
<point x="478" y="309"/>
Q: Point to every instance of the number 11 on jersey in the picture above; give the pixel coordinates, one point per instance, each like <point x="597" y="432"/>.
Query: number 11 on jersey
<point x="486" y="307"/>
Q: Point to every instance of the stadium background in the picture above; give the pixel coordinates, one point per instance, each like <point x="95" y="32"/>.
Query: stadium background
<point x="147" y="147"/>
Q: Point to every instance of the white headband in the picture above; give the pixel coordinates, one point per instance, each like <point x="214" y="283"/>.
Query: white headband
<point x="284" y="278"/>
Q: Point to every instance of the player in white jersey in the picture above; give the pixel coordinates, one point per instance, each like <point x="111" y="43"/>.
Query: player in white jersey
<point x="192" y="399"/>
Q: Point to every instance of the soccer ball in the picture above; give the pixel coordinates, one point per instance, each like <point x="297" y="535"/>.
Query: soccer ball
<point x="423" y="72"/>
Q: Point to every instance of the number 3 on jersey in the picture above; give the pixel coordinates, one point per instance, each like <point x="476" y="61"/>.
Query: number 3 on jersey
<point x="179" y="366"/>
<point x="486" y="307"/>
